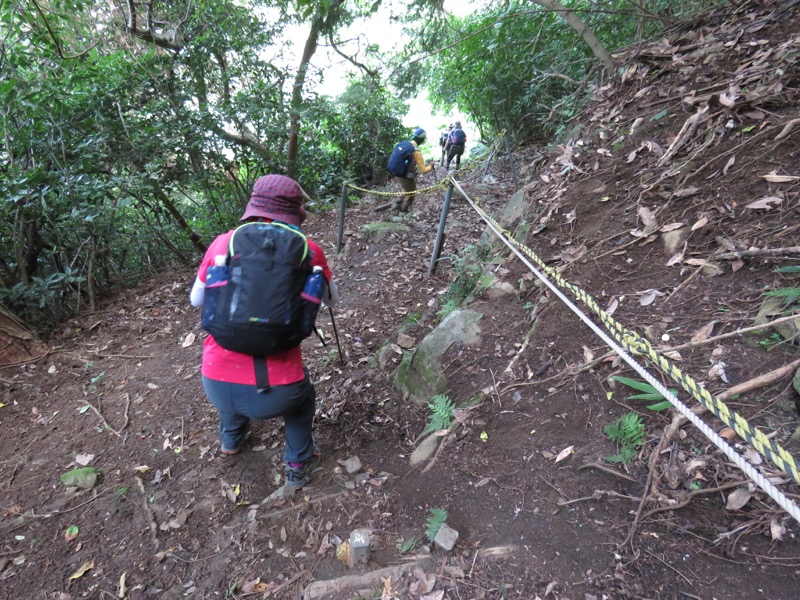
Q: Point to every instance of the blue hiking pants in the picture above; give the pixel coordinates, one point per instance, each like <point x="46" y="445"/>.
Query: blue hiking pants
<point x="237" y="403"/>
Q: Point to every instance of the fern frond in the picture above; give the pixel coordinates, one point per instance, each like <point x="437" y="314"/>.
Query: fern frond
<point x="435" y="521"/>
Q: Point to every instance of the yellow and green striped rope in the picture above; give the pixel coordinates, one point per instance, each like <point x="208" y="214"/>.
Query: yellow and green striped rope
<point x="637" y="344"/>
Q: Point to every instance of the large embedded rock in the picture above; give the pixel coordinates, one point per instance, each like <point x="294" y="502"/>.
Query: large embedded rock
<point x="380" y="230"/>
<point x="420" y="373"/>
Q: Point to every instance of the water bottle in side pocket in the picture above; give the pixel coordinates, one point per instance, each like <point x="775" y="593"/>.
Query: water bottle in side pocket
<point x="216" y="279"/>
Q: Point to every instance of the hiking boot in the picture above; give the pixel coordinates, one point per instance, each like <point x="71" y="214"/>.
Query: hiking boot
<point x="298" y="474"/>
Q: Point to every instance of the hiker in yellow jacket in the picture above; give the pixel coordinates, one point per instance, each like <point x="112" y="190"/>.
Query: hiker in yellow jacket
<point x="416" y="165"/>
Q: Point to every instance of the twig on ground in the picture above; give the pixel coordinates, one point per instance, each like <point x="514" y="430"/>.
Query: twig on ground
<point x="151" y="521"/>
<point x="692" y="494"/>
<point x="118" y="433"/>
<point x="560" y="493"/>
<point x="712" y="340"/>
<point x="442" y="444"/>
<point x="26" y="361"/>
<point x="525" y="342"/>
<point x="684" y="283"/>
<point x="596" y="495"/>
<point x="646" y="491"/>
<point x="684" y="134"/>
<point x="791" y="250"/>
<point x="571" y="372"/>
<point x="609" y="470"/>
<point x="98" y="355"/>
<point x="669" y="565"/>
<point x="746" y="386"/>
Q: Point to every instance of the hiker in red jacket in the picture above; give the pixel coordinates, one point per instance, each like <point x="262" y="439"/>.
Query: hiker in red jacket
<point x="229" y="378"/>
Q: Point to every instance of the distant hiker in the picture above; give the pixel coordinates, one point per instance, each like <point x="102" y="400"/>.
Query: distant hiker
<point x="443" y="137"/>
<point x="261" y="261"/>
<point x="405" y="163"/>
<point x="455" y="145"/>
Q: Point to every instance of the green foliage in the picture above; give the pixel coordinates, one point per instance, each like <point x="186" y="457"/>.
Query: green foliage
<point x="627" y="433"/>
<point x="770" y="340"/>
<point x="469" y="273"/>
<point x="121" y="159"/>
<point x="788" y="301"/>
<point x="349" y="139"/>
<point x="437" y="518"/>
<point x="649" y="392"/>
<point x="410" y="543"/>
<point x="412" y="318"/>
<point x="518" y="67"/>
<point x="441" y="413"/>
<point x="789" y="295"/>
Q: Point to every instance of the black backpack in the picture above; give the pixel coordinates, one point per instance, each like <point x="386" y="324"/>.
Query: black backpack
<point x="458" y="137"/>
<point x="258" y="309"/>
<point x="400" y="159"/>
<point x="443" y="139"/>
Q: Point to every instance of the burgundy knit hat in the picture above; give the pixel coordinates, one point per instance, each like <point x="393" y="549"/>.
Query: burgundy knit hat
<point x="277" y="197"/>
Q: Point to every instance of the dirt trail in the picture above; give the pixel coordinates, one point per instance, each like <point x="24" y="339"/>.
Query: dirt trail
<point x="170" y="518"/>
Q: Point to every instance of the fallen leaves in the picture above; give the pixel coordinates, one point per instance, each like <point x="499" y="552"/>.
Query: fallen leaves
<point x="738" y="498"/>
<point x="765" y="203"/>
<point x="773" y="177"/>
<point x="704" y="332"/>
<point x="566" y="452"/>
<point x="87" y="566"/>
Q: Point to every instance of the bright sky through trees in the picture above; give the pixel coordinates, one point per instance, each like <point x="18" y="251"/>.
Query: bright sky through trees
<point x="389" y="36"/>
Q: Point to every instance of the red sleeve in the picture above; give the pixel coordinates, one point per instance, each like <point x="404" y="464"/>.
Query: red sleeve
<point x="218" y="246"/>
<point x="318" y="259"/>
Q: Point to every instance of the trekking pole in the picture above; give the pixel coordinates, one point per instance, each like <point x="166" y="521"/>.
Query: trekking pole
<point x="336" y="335"/>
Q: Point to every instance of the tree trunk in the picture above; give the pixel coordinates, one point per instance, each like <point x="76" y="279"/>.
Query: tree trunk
<point x="297" y="94"/>
<point x="17" y="343"/>
<point x="583" y="30"/>
<point x="325" y="18"/>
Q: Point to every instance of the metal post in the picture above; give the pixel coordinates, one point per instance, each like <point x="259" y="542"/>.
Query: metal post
<point x="340" y="234"/>
<point x="437" y="246"/>
<point x="489" y="161"/>
<point x="511" y="161"/>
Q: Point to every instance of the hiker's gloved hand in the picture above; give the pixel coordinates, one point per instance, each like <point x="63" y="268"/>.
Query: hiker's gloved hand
<point x="331" y="296"/>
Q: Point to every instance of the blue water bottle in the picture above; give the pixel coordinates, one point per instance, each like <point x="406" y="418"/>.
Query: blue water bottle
<point x="315" y="285"/>
<point x="312" y="294"/>
<point x="216" y="277"/>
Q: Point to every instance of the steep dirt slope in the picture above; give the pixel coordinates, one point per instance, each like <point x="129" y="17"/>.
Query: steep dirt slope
<point x="699" y="138"/>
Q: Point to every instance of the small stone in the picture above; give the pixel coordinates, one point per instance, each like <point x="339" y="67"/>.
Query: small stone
<point x="425" y="450"/>
<point x="446" y="537"/>
<point x="351" y="465"/>
<point x="84" y="478"/>
<point x="405" y="341"/>
<point x="359" y="546"/>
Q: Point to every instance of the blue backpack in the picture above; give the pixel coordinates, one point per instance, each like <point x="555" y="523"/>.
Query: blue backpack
<point x="400" y="159"/>
<point x="458" y="137"/>
<point x="257" y="307"/>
